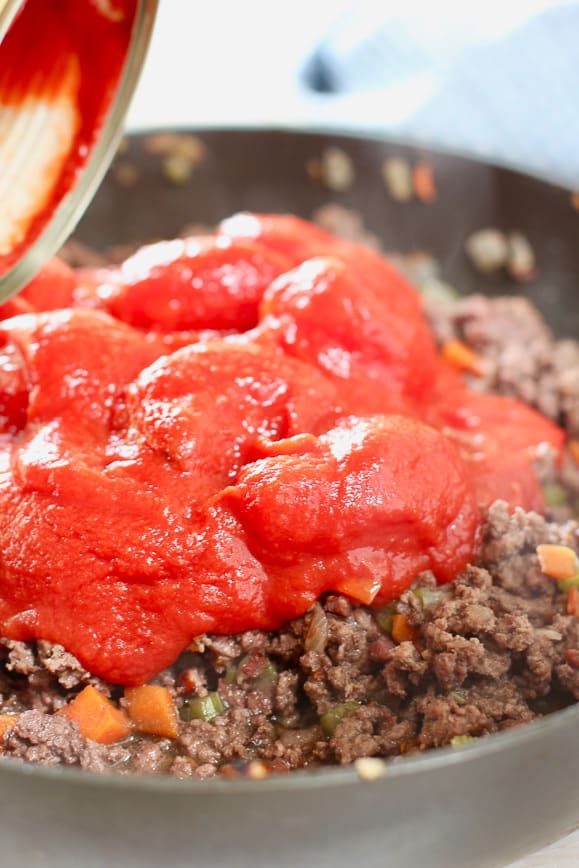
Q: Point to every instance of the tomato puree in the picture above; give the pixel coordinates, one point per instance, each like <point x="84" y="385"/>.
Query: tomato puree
<point x="215" y="433"/>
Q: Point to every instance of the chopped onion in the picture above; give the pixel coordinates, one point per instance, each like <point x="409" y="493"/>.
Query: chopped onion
<point x="317" y="634"/>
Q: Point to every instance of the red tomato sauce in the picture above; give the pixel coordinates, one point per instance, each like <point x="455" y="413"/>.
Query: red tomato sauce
<point x="75" y="48"/>
<point x="216" y="433"/>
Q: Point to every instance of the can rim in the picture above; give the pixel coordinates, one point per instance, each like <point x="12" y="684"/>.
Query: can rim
<point x="73" y="204"/>
<point x="8" y="11"/>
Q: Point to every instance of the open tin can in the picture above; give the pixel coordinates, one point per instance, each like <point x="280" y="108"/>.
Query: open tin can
<point x="68" y="69"/>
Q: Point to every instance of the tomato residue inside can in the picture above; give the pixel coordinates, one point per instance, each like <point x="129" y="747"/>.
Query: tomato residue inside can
<point x="60" y="66"/>
<point x="215" y="433"/>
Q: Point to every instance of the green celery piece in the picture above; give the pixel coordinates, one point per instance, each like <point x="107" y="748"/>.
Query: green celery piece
<point x="330" y="720"/>
<point x="202" y="707"/>
<point x="461" y="740"/>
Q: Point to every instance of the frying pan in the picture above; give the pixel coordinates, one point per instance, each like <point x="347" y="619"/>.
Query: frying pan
<point x="481" y="805"/>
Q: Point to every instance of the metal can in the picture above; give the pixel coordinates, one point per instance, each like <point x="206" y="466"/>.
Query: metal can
<point x="68" y="69"/>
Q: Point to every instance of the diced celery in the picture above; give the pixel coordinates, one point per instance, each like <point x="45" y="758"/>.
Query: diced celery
<point x="429" y="597"/>
<point x="330" y="720"/>
<point x="565" y="585"/>
<point x="202" y="707"/>
<point x="461" y="740"/>
<point x="230" y="676"/>
<point x="555" y="494"/>
<point x="384" y="617"/>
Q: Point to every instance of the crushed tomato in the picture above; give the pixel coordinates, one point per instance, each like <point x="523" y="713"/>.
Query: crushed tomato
<point x="214" y="434"/>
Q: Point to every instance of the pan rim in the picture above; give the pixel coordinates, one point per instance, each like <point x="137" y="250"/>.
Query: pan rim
<point x="357" y="134"/>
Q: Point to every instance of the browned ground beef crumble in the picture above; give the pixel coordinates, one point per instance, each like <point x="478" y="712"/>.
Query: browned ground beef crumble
<point x="493" y="650"/>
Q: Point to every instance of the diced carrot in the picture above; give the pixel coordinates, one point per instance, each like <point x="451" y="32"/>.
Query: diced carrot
<point x="363" y="590"/>
<point x="572" y="657"/>
<point x="461" y="356"/>
<point x="423" y="180"/>
<point x="573" y="447"/>
<point x="97" y="717"/>
<point x="402" y="630"/>
<point x="152" y="710"/>
<point x="558" y="562"/>
<point x="6" y="722"/>
<point x="573" y="601"/>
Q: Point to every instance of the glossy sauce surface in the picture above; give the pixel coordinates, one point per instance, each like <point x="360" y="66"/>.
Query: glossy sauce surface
<point x="217" y="432"/>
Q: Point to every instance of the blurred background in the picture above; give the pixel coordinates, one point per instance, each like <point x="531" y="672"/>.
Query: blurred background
<point x="497" y="80"/>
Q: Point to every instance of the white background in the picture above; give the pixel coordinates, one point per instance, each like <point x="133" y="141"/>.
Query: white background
<point x="494" y="79"/>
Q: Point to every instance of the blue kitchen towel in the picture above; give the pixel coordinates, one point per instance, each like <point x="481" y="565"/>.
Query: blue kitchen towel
<point x="497" y="81"/>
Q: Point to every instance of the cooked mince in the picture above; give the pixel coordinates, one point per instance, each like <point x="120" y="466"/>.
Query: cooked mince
<point x="440" y="665"/>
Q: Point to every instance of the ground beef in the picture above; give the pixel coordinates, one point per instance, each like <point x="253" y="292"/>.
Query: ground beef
<point x="493" y="650"/>
<point x="50" y="739"/>
<point x="520" y="357"/>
